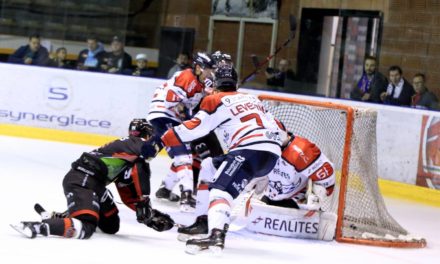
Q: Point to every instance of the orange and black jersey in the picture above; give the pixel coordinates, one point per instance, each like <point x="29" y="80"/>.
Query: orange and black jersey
<point x="120" y="161"/>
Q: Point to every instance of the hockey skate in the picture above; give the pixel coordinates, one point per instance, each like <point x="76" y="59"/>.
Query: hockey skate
<point x="187" y="202"/>
<point x="31" y="229"/>
<point x="48" y="215"/>
<point x="164" y="193"/>
<point x="214" y="242"/>
<point x="197" y="230"/>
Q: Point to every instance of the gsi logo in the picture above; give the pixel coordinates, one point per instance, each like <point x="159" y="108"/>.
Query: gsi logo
<point x="58" y="93"/>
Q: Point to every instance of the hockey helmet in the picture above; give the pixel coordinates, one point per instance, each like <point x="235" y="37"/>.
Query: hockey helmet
<point x="139" y="127"/>
<point x="226" y="78"/>
<point x="203" y="60"/>
<point x="220" y="58"/>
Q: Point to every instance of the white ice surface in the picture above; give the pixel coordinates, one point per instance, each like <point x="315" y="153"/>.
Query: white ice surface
<point x="32" y="171"/>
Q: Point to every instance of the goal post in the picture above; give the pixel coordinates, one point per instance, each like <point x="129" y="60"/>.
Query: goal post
<point x="347" y="136"/>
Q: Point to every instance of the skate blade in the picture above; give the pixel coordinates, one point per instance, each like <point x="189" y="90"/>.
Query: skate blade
<point x="166" y="200"/>
<point x="27" y="232"/>
<point x="216" y="251"/>
<point x="186" y="237"/>
<point x="212" y="250"/>
<point x="185" y="208"/>
<point x="194" y="249"/>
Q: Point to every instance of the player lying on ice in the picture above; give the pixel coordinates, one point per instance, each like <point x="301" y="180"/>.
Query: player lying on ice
<point x="253" y="141"/>
<point x="90" y="203"/>
<point x="292" y="195"/>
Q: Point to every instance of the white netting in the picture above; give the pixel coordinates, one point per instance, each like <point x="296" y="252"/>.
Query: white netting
<point x="364" y="211"/>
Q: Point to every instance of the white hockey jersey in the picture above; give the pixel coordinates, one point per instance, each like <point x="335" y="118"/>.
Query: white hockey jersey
<point x="241" y="120"/>
<point x="183" y="88"/>
<point x="299" y="161"/>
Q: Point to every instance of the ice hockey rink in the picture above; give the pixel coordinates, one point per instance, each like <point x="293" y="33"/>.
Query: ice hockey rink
<point x="32" y="171"/>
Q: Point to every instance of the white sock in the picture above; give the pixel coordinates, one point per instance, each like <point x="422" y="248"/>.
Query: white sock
<point x="219" y="209"/>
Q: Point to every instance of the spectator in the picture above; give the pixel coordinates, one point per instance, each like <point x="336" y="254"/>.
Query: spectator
<point x="423" y="98"/>
<point x="90" y="58"/>
<point x="399" y="90"/>
<point x="59" y="61"/>
<point x="182" y="63"/>
<point x="31" y="54"/>
<point x="371" y="84"/>
<point x="276" y="77"/>
<point x="141" y="66"/>
<point x="117" y="60"/>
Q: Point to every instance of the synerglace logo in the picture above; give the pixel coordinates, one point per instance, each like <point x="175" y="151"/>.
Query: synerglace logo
<point x="58" y="93"/>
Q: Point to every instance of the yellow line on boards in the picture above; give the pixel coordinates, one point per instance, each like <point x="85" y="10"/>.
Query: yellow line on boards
<point x="55" y="135"/>
<point x="409" y="192"/>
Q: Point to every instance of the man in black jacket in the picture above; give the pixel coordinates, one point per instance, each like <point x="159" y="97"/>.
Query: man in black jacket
<point x="90" y="204"/>
<point x="423" y="98"/>
<point x="399" y="90"/>
<point x="31" y="54"/>
<point x="371" y="84"/>
<point x="117" y="60"/>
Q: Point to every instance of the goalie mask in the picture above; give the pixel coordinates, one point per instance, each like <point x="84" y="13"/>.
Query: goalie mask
<point x="226" y="78"/>
<point x="139" y="127"/>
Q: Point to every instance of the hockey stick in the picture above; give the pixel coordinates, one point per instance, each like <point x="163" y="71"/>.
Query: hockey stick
<point x="292" y="21"/>
<point x="46" y="215"/>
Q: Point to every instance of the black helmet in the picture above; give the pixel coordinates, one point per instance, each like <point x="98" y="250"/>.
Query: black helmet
<point x="139" y="127"/>
<point x="226" y="78"/>
<point x="203" y="60"/>
<point x="220" y="58"/>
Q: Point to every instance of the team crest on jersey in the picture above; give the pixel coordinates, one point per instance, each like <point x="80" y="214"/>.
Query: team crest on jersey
<point x="240" y="186"/>
<point x="225" y="136"/>
<point x="273" y="135"/>
<point x="281" y="188"/>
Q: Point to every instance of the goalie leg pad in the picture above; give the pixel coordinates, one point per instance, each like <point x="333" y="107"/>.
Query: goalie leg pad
<point x="289" y="222"/>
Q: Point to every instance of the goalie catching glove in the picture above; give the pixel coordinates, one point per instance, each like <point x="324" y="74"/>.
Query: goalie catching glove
<point x="315" y="198"/>
<point x="152" y="218"/>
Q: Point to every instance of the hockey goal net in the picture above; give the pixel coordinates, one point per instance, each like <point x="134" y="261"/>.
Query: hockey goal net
<point x="347" y="136"/>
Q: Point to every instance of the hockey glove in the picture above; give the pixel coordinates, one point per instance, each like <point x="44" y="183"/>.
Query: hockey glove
<point x="151" y="148"/>
<point x="202" y="150"/>
<point x="152" y="218"/>
<point x="316" y="198"/>
<point x="160" y="221"/>
<point x="144" y="211"/>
